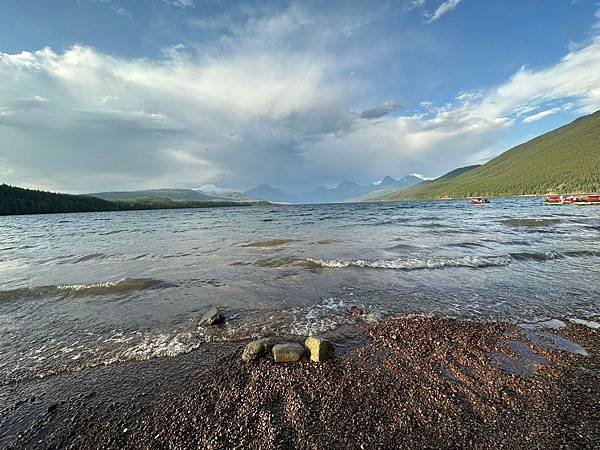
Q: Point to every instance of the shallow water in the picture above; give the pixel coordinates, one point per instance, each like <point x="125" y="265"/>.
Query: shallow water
<point x="85" y="290"/>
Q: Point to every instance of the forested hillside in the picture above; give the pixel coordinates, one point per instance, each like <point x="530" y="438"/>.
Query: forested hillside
<point x="14" y="200"/>
<point x="563" y="161"/>
<point x="18" y="201"/>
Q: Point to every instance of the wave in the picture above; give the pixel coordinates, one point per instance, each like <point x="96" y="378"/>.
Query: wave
<point x="156" y="346"/>
<point x="551" y="255"/>
<point x="286" y="261"/>
<point x="466" y="245"/>
<point x="116" y="287"/>
<point x="415" y="263"/>
<point x="535" y="256"/>
<point x="267" y="244"/>
<point x="419" y="263"/>
<point x="530" y="223"/>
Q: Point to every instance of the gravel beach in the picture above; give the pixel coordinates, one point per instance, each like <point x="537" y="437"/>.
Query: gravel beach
<point x="418" y="382"/>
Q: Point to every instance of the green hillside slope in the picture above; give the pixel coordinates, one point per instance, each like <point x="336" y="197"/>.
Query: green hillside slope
<point x="18" y="201"/>
<point x="566" y="160"/>
<point x="14" y="200"/>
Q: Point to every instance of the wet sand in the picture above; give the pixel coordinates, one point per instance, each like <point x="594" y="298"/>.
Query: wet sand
<point x="417" y="382"/>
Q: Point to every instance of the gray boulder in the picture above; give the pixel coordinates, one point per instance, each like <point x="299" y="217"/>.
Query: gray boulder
<point x="212" y="317"/>
<point x="288" y="352"/>
<point x="256" y="348"/>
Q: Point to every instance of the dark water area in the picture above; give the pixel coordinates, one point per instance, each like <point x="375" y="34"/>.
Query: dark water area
<point x="97" y="295"/>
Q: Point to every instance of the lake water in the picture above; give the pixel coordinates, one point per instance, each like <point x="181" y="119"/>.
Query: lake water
<point x="84" y="290"/>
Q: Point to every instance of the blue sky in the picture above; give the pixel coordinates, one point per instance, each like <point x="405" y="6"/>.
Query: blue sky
<point x="116" y="94"/>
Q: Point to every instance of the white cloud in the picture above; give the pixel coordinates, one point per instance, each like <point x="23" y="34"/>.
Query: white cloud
<point x="181" y="3"/>
<point x="412" y="4"/>
<point x="541" y="115"/>
<point x="444" y="8"/>
<point x="252" y="111"/>
<point x="122" y="12"/>
<point x="222" y="116"/>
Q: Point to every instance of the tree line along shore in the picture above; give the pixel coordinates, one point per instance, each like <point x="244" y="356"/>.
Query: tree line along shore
<point x="19" y="201"/>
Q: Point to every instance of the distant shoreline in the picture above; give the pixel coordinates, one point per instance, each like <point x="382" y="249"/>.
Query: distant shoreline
<point x="15" y="201"/>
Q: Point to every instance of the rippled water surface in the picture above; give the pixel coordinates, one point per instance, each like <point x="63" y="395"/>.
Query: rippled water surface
<point x="84" y="290"/>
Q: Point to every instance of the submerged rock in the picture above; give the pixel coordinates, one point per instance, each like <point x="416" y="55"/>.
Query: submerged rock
<point x="288" y="352"/>
<point x="355" y="310"/>
<point x="320" y="349"/>
<point x="256" y="348"/>
<point x="212" y="317"/>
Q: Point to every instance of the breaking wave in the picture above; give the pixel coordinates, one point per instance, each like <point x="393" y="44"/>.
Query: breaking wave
<point x="418" y="263"/>
<point x="415" y="263"/>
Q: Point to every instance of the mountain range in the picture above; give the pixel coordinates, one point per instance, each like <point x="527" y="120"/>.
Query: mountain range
<point x="174" y="195"/>
<point x="562" y="161"/>
<point x="344" y="192"/>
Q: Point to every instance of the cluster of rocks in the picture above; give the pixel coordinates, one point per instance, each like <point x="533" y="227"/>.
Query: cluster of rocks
<point x="317" y="348"/>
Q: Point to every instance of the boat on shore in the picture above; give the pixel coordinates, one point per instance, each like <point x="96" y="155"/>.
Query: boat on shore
<point x="582" y="200"/>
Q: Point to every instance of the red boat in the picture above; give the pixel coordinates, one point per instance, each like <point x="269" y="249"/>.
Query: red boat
<point x="572" y="200"/>
<point x="592" y="198"/>
<point x="554" y="199"/>
<point x="479" y="201"/>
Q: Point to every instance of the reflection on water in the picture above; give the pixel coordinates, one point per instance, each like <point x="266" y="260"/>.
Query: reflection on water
<point x="81" y="290"/>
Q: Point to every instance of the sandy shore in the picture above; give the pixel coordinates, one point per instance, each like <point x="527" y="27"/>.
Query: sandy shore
<point x="417" y="383"/>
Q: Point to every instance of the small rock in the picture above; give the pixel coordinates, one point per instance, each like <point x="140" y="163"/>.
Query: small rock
<point x="355" y="310"/>
<point x="212" y="317"/>
<point x="320" y="349"/>
<point x="372" y="318"/>
<point x="255" y="348"/>
<point x="288" y="352"/>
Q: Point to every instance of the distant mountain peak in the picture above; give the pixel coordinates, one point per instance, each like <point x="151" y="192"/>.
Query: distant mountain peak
<point x="347" y="184"/>
<point x="270" y="193"/>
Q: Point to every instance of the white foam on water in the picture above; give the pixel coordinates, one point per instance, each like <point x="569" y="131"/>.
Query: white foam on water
<point x="156" y="346"/>
<point x="80" y="287"/>
<point x="587" y="323"/>
<point x="415" y="263"/>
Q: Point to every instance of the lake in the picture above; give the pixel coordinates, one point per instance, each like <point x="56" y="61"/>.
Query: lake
<point x="82" y="290"/>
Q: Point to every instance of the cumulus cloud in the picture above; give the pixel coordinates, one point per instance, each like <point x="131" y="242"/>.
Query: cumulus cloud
<point x="251" y="111"/>
<point x="444" y="8"/>
<point x="116" y="117"/>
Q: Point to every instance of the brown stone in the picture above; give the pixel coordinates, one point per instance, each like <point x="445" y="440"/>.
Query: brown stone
<point x="354" y="310"/>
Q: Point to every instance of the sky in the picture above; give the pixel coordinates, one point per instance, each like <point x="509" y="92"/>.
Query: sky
<point x="100" y="95"/>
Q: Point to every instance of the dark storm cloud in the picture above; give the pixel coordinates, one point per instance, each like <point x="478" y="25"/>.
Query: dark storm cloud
<point x="380" y="111"/>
